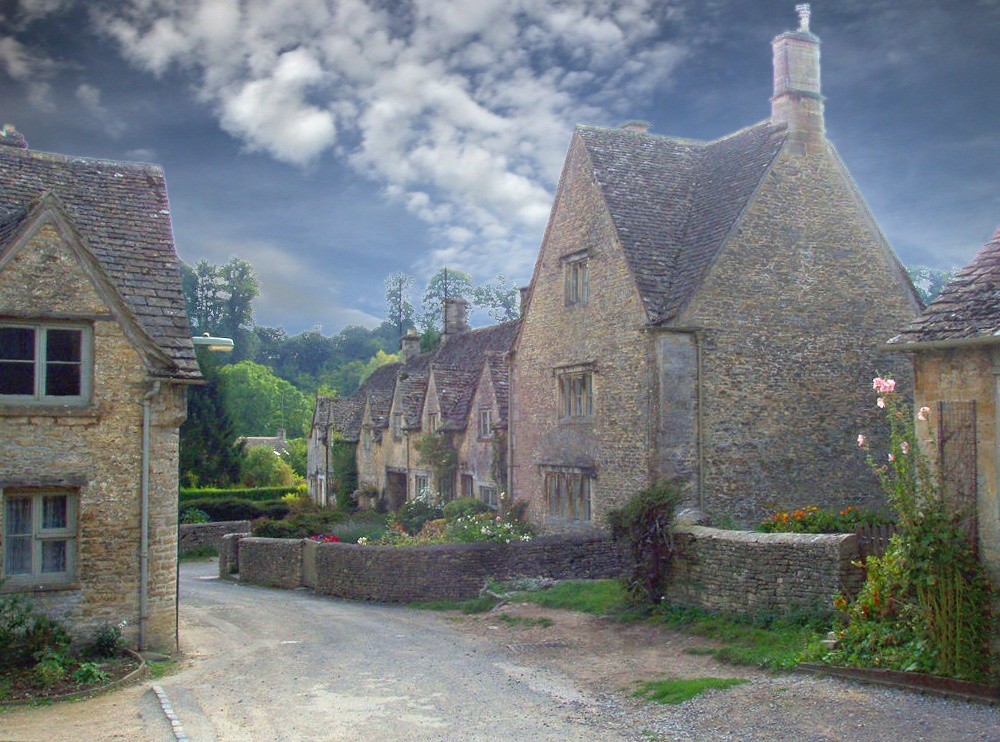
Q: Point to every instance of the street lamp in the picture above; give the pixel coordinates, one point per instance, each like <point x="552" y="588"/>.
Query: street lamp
<point x="223" y="345"/>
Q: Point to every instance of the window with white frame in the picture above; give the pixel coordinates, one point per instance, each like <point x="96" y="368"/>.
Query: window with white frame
<point x="569" y="494"/>
<point x="422" y="486"/>
<point x="577" y="280"/>
<point x="46" y="363"/>
<point x="576" y="394"/>
<point x="485" y="422"/>
<point x="488" y="494"/>
<point x="39" y="537"/>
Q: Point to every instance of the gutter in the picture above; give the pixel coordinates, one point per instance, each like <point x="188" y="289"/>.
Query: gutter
<point x="144" y="520"/>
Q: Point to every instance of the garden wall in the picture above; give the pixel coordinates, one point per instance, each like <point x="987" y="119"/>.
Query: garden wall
<point x="762" y="573"/>
<point x="408" y="573"/>
<point x="194" y="536"/>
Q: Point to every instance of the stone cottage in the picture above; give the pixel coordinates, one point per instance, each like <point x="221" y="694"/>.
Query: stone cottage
<point x="708" y="312"/>
<point x="456" y="396"/>
<point x="95" y="359"/>
<point x="955" y="345"/>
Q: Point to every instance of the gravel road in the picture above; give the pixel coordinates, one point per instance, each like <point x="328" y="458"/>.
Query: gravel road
<point x="287" y="665"/>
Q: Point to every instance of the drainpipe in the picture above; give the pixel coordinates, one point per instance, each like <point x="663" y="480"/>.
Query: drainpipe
<point x="144" y="520"/>
<point x="995" y="358"/>
<point x="700" y="415"/>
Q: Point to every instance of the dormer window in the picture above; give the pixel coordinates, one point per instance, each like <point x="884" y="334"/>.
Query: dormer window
<point x="485" y="422"/>
<point x="43" y="363"/>
<point x="432" y="421"/>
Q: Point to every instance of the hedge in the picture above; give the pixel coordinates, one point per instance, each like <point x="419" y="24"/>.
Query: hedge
<point x="257" y="494"/>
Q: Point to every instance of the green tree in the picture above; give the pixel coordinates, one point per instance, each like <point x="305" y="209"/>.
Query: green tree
<point x="445" y="284"/>
<point x="210" y="455"/>
<point x="260" y="402"/>
<point x="262" y="467"/>
<point x="500" y="299"/>
<point x="399" y="311"/>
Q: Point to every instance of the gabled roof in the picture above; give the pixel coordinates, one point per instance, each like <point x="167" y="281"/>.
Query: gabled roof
<point x="674" y="201"/>
<point x="968" y="309"/>
<point x="456" y="365"/>
<point x="121" y="213"/>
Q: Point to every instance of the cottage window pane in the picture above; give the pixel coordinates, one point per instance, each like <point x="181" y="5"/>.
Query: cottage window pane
<point x="17" y="344"/>
<point x="17" y="360"/>
<point x="63" y="346"/>
<point x="55" y="512"/>
<point x="54" y="556"/>
<point x="17" y="518"/>
<point x="63" y="362"/>
<point x="17" y="555"/>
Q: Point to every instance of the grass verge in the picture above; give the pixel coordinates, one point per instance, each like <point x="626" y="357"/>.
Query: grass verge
<point x="682" y="689"/>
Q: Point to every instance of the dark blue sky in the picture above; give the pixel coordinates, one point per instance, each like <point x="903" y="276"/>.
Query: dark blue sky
<point x="332" y="143"/>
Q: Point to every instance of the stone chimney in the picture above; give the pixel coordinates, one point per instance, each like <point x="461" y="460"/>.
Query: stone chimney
<point x="409" y="345"/>
<point x="12" y="137"/>
<point x="454" y="317"/>
<point x="640" y="127"/>
<point x="797" y="101"/>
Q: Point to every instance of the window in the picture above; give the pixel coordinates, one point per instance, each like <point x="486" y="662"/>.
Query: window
<point x="569" y="494"/>
<point x="39" y="537"/>
<point x="397" y="426"/>
<point x="44" y="363"/>
<point x="432" y="421"/>
<point x="467" y="484"/>
<point x="485" y="423"/>
<point x="488" y="494"/>
<point x="422" y="486"/>
<point x="576" y="394"/>
<point x="577" y="283"/>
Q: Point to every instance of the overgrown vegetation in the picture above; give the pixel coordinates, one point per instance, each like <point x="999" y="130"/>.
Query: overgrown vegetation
<point x="926" y="604"/>
<point x="679" y="690"/>
<point x="643" y="528"/>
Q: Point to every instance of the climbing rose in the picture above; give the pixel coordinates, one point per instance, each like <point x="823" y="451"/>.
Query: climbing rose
<point x="904" y="447"/>
<point x="883" y="386"/>
<point x="881" y="403"/>
<point x="923" y="412"/>
<point x="861" y="439"/>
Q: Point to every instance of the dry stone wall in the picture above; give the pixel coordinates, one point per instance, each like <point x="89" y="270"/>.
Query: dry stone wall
<point x="195" y="536"/>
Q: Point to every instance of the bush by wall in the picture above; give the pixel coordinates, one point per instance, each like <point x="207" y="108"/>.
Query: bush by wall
<point x="238" y="509"/>
<point x="257" y="494"/>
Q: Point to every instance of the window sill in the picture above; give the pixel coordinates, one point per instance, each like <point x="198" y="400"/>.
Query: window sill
<point x="576" y="420"/>
<point x="42" y="410"/>
<point x="10" y="585"/>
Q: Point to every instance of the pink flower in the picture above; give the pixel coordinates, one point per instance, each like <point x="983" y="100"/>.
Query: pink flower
<point x="883" y="386"/>
<point x="923" y="412"/>
<point x="861" y="439"/>
<point x="881" y="403"/>
<point x="904" y="447"/>
<point x="892" y="457"/>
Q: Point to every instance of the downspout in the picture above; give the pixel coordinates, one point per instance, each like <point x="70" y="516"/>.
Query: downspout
<point x="700" y="416"/>
<point x="144" y="520"/>
<point x="995" y="358"/>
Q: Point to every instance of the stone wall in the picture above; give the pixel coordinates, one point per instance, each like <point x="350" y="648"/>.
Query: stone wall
<point x="194" y="536"/>
<point x="762" y="573"/>
<point x="728" y="571"/>
<point x="405" y="574"/>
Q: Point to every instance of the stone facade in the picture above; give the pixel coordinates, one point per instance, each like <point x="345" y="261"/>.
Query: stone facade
<point x="736" y="296"/>
<point x="101" y="557"/>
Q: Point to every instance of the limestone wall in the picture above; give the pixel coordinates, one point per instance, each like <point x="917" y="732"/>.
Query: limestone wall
<point x="194" y="536"/>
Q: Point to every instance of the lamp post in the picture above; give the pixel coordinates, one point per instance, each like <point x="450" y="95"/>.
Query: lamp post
<point x="223" y="345"/>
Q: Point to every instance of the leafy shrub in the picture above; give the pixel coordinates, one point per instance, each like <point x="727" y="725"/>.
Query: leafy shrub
<point x="811" y="519"/>
<point x="194" y="515"/>
<point x="464" y="506"/>
<point x="107" y="641"/>
<point x="485" y="527"/>
<point x="369" y="526"/>
<point x="89" y="672"/>
<point x="257" y="494"/>
<point x="50" y="669"/>
<point x="643" y="529"/>
<point x="26" y="634"/>
<point x="414" y="514"/>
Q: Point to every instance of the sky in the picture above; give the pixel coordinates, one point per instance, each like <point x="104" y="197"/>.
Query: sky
<point x="333" y="142"/>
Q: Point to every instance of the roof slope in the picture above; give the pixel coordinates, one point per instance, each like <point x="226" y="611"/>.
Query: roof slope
<point x="674" y="201"/>
<point x="121" y="211"/>
<point x="968" y="308"/>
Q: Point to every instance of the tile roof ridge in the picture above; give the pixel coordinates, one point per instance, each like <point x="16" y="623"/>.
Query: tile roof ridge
<point x="62" y="157"/>
<point x="644" y="134"/>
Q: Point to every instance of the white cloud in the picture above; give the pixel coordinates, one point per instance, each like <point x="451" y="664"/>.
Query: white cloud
<point x="28" y="68"/>
<point x="461" y="110"/>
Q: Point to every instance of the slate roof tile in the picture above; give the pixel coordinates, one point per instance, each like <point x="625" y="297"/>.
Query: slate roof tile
<point x="674" y="201"/>
<point x="968" y="308"/>
<point x="121" y="211"/>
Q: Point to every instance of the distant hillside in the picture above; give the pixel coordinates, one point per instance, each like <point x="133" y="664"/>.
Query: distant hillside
<point x="929" y="281"/>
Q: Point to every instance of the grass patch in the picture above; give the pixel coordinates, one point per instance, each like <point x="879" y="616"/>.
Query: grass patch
<point x="768" y="643"/>
<point x="525" y="621"/>
<point x="158" y="670"/>
<point x="475" y="605"/>
<point x="597" y="597"/>
<point x="200" y="553"/>
<point x="683" y="689"/>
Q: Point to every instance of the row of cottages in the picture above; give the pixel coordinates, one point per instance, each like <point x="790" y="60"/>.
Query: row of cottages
<point x="95" y="359"/>
<point x="454" y="398"/>
<point x="955" y="345"/>
<point x="707" y="312"/>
